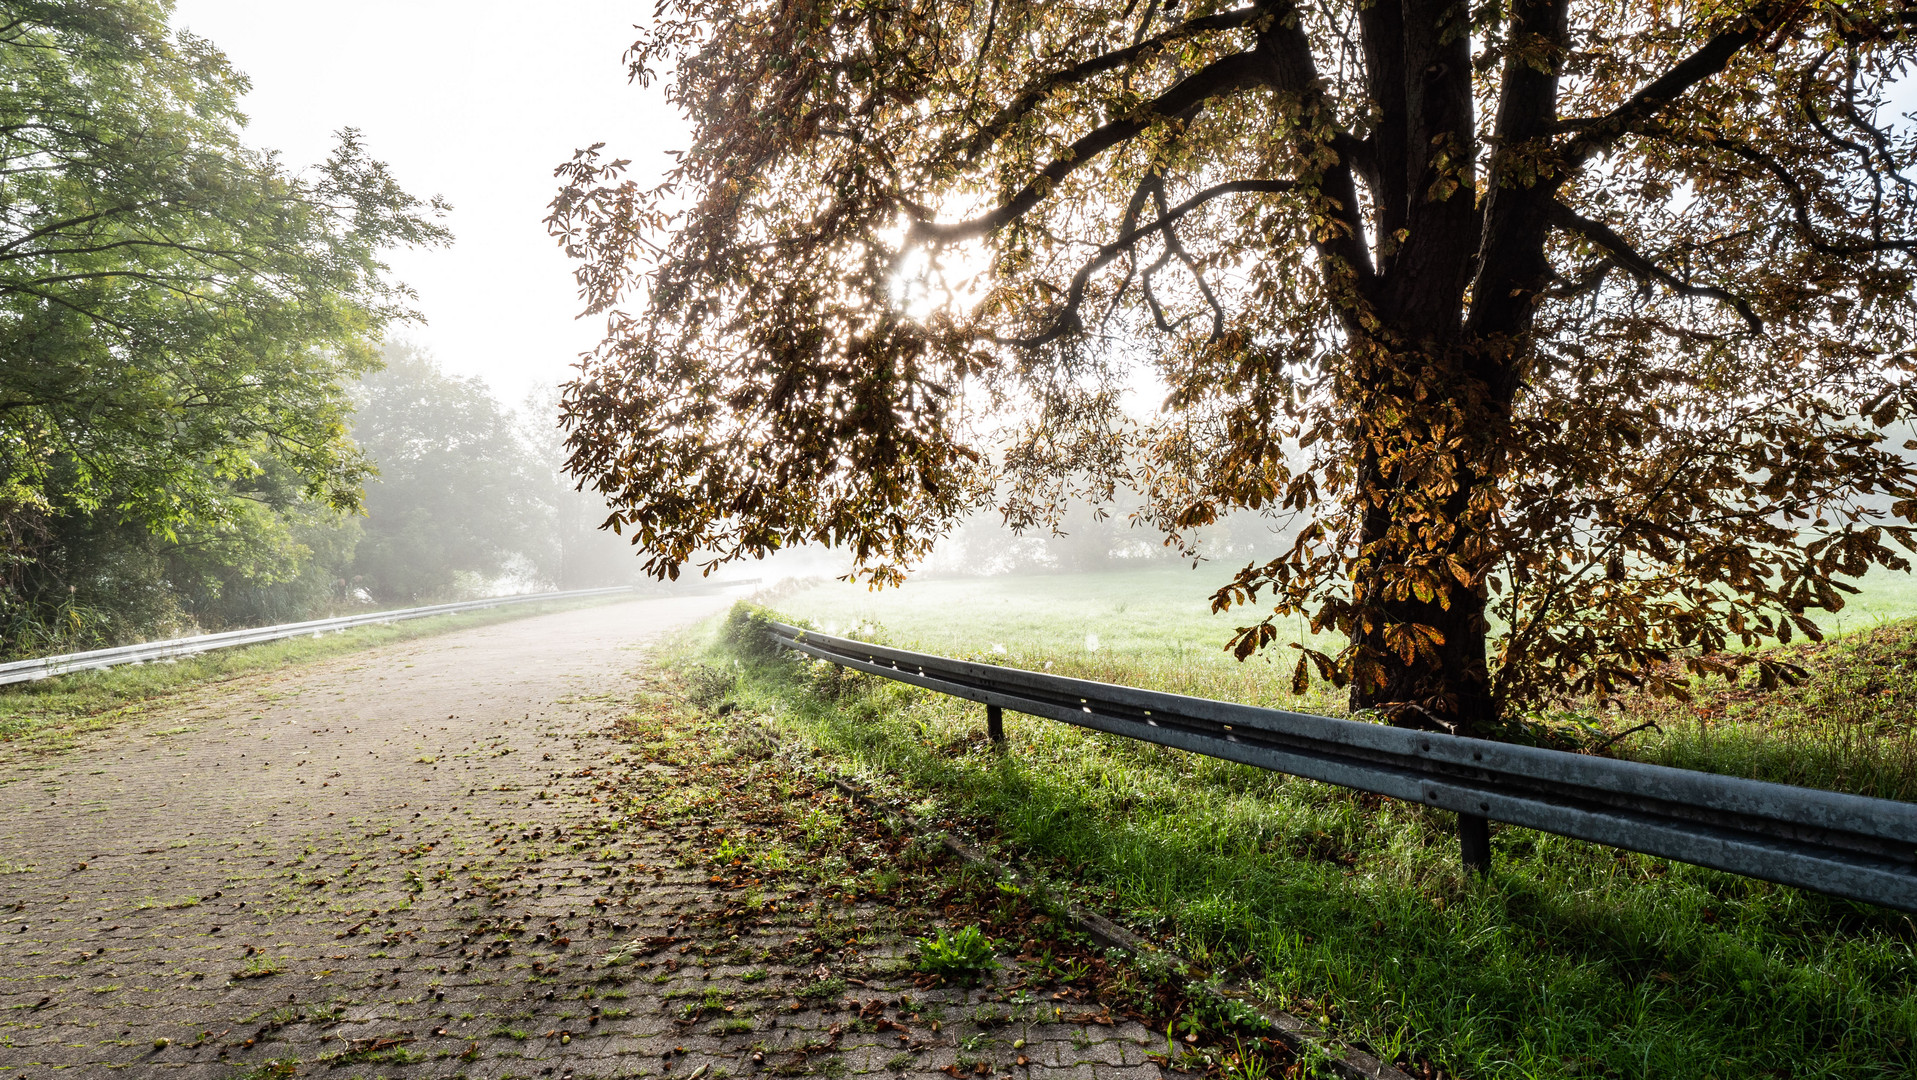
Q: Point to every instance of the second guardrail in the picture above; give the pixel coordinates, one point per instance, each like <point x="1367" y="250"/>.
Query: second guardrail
<point x="146" y="652"/>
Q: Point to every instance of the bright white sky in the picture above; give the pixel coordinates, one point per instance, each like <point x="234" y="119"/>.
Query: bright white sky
<point x="477" y="101"/>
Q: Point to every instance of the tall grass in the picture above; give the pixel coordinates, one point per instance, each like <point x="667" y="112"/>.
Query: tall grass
<point x="1852" y="726"/>
<point x="1572" y="960"/>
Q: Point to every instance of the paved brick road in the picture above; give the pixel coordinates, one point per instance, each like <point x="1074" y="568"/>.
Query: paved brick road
<point x="396" y="863"/>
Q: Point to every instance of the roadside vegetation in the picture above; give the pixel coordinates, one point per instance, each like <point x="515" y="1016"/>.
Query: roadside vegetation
<point x="1851" y="727"/>
<point x="1571" y="960"/>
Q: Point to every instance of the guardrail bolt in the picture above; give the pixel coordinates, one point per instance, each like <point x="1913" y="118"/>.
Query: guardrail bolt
<point x="995" y="725"/>
<point x="1474" y="842"/>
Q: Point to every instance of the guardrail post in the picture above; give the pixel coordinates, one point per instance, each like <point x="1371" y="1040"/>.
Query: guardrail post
<point x="1474" y="843"/>
<point x="995" y="725"/>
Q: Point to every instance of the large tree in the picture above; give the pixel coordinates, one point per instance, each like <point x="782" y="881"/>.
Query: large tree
<point x="1569" y="333"/>
<point x="180" y="314"/>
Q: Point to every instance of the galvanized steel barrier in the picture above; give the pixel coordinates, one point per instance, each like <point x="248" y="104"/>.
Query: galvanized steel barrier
<point x="27" y="670"/>
<point x="1846" y="845"/>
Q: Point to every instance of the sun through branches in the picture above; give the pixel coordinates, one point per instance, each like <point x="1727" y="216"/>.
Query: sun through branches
<point x="1570" y="343"/>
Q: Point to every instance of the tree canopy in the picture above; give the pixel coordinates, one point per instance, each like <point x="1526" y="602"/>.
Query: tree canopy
<point x="179" y="313"/>
<point x="1568" y="333"/>
<point x="458" y="493"/>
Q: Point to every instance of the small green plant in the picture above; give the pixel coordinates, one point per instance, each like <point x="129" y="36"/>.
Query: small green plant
<point x="261" y="967"/>
<point x="1243" y="1064"/>
<point x="990" y="1015"/>
<point x="821" y="990"/>
<point x="964" y="955"/>
<point x="708" y="687"/>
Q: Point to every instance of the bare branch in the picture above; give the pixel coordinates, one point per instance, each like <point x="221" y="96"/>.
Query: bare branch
<point x="1175" y="247"/>
<point x="1794" y="194"/>
<point x="1067" y="320"/>
<point x="1641" y="267"/>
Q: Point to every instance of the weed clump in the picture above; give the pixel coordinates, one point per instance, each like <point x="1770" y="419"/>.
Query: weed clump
<point x="747" y="634"/>
<point x="707" y="687"/>
<point x="962" y="956"/>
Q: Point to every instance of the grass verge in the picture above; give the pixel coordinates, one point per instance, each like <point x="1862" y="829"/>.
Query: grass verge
<point x="1573" y="960"/>
<point x="53" y="711"/>
<point x="1852" y="726"/>
<point x="874" y="907"/>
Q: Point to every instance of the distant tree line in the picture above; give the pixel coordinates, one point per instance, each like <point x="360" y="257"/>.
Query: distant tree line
<point x="468" y="492"/>
<point x="194" y="408"/>
<point x="463" y="496"/>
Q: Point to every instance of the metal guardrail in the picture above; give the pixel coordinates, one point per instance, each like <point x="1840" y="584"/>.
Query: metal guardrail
<point x="28" y="670"/>
<point x="1846" y="845"/>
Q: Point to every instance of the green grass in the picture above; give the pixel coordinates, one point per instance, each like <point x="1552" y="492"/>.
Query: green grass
<point x="1154" y="615"/>
<point x="64" y="706"/>
<point x="1147" y="627"/>
<point x="1159" y="613"/>
<point x="1850" y="729"/>
<point x="1572" y="960"/>
<point x="1852" y="726"/>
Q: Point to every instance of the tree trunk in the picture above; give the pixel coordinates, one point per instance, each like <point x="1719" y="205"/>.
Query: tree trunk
<point x="1419" y="597"/>
<point x="1447" y="691"/>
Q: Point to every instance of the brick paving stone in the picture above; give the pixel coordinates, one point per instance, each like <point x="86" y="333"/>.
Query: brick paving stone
<point x="383" y="865"/>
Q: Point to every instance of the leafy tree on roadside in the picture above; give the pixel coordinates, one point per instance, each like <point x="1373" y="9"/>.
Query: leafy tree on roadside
<point x="1583" y="319"/>
<point x="179" y="314"/>
<point x="456" y="502"/>
<point x="273" y="556"/>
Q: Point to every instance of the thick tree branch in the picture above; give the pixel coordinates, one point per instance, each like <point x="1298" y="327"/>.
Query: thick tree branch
<point x="1038" y="90"/>
<point x="1291" y="68"/>
<point x="1510" y="264"/>
<point x="1642" y="267"/>
<point x="1709" y="59"/>
<point x="1223" y="76"/>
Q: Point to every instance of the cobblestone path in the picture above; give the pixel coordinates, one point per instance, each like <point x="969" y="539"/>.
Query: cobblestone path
<point x="447" y="857"/>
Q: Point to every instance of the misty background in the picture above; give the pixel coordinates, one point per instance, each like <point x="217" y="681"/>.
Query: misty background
<point x="469" y="495"/>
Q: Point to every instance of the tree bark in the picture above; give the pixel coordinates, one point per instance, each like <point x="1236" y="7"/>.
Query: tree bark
<point x="1414" y="531"/>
